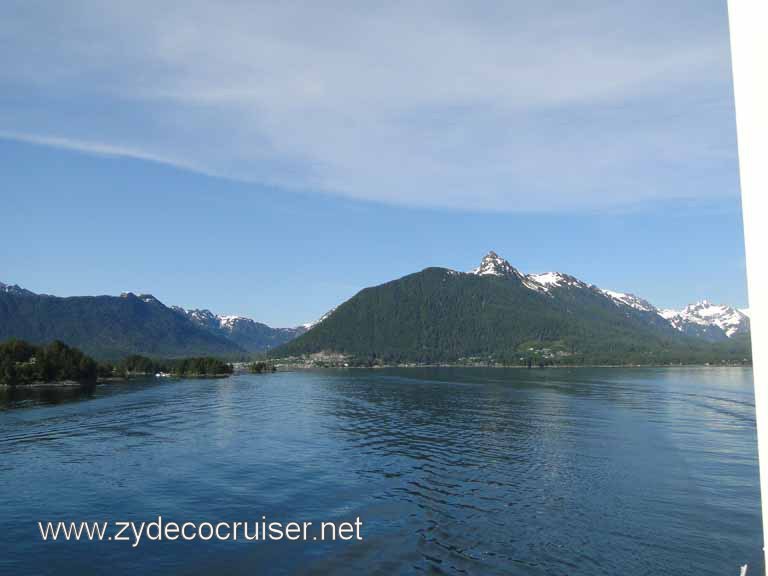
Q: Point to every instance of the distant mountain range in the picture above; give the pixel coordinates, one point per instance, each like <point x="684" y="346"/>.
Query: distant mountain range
<point x="491" y="313"/>
<point x="110" y="327"/>
<point x="250" y="335"/>
<point x="496" y="313"/>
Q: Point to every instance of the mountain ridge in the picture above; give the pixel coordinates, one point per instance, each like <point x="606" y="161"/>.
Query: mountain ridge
<point x="107" y="327"/>
<point x="540" y="308"/>
<point x="443" y="315"/>
<point x="110" y="327"/>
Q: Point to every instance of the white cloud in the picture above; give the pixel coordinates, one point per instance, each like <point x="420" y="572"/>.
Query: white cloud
<point x="515" y="106"/>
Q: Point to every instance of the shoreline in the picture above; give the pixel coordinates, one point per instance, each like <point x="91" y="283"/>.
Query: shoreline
<point x="111" y="380"/>
<point x="291" y="367"/>
<point x="305" y="368"/>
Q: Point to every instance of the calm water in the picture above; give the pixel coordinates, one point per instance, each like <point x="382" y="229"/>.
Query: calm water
<point x="455" y="471"/>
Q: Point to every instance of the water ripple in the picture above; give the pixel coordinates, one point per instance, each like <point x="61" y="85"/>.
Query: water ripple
<point x="453" y="471"/>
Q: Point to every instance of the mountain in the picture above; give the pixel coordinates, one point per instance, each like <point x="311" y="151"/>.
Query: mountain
<point x="14" y="289"/>
<point x="107" y="327"/>
<point x="496" y="313"/>
<point x="250" y="335"/>
<point x="715" y="322"/>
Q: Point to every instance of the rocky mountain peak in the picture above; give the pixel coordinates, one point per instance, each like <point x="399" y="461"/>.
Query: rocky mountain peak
<point x="494" y="265"/>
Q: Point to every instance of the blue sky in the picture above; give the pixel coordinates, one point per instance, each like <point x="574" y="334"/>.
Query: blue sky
<point x="272" y="159"/>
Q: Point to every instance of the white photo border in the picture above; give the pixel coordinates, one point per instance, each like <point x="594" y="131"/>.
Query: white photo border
<point x="748" y="21"/>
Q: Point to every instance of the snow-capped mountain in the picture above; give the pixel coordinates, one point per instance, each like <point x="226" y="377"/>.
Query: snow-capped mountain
<point x="251" y="335"/>
<point x="494" y="265"/>
<point x="703" y="319"/>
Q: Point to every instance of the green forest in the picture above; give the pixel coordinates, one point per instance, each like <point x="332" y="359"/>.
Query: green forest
<point x="23" y="363"/>
<point x="198" y="366"/>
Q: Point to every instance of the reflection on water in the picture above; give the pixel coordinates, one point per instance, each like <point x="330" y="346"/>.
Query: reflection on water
<point x="21" y="396"/>
<point x="583" y="471"/>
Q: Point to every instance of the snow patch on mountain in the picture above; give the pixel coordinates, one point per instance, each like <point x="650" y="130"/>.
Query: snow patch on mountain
<point x="148" y="298"/>
<point x="144" y="297"/>
<point x="229" y="322"/>
<point x="310" y="325"/>
<point x="630" y="300"/>
<point x="548" y="280"/>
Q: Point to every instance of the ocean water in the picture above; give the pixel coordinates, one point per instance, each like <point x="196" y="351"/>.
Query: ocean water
<point x="450" y="471"/>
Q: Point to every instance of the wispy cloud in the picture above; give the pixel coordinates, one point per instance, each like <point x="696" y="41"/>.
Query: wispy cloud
<point x="98" y="149"/>
<point x="507" y="106"/>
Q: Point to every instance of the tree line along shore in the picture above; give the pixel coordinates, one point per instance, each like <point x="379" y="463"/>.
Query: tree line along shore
<point x="22" y="363"/>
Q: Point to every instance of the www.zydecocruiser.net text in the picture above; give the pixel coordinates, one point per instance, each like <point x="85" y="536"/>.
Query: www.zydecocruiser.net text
<point x="160" y="530"/>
